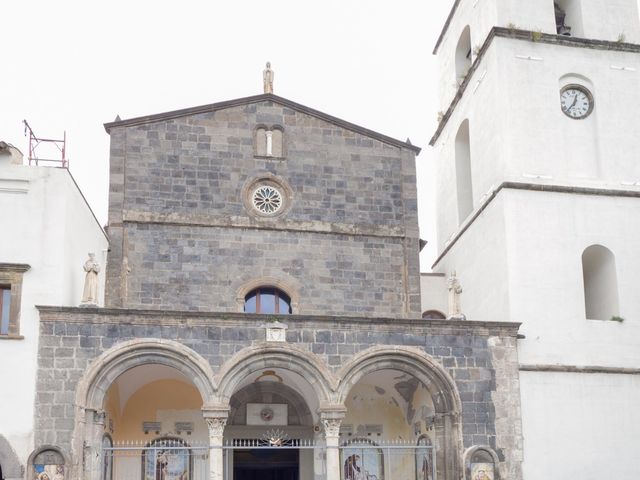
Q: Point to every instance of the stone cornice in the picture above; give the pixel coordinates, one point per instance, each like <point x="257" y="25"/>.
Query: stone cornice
<point x="413" y="326"/>
<point x="14" y="267"/>
<point x="266" y="97"/>
<point x="579" y="369"/>
<point x="195" y="220"/>
<point x="529" y="36"/>
<point x="534" y="187"/>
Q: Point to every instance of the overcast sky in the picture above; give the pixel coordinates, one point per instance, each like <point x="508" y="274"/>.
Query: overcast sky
<point x="73" y="65"/>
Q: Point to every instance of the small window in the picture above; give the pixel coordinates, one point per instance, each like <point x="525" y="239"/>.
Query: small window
<point x="269" y="142"/>
<point x="5" y="309"/>
<point x="600" y="283"/>
<point x="11" y="275"/>
<point x="267" y="300"/>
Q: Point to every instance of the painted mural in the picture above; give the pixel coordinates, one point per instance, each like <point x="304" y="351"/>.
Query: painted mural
<point x="49" y="472"/>
<point x="362" y="461"/>
<point x="482" y="471"/>
<point x="424" y="459"/>
<point x="166" y="463"/>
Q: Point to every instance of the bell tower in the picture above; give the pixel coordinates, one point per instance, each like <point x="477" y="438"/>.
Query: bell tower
<point x="538" y="193"/>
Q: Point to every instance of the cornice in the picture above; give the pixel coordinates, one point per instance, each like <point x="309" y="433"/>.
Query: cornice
<point x="266" y="97"/>
<point x="414" y="326"/>
<point x="534" y="187"/>
<point x="529" y="36"/>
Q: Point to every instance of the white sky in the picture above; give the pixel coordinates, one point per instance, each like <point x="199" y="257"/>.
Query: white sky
<point x="73" y="65"/>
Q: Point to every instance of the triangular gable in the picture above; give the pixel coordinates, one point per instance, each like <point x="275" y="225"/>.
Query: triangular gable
<point x="257" y="99"/>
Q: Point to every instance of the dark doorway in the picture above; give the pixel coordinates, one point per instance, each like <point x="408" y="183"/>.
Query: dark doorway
<point x="266" y="464"/>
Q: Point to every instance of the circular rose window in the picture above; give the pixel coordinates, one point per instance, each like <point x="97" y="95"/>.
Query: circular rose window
<point x="267" y="199"/>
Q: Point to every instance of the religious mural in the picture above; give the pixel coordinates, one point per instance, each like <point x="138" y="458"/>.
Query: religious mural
<point x="48" y="465"/>
<point x="49" y="472"/>
<point x="362" y="461"/>
<point x="482" y="471"/>
<point x="424" y="459"/>
<point x="168" y="462"/>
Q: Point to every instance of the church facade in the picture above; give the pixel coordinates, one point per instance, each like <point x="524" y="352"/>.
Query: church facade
<point x="263" y="290"/>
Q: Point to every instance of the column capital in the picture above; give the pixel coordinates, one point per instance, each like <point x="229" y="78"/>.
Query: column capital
<point x="331" y="417"/>
<point x="216" y="425"/>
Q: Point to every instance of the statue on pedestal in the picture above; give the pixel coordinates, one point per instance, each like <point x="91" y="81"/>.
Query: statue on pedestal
<point x="455" y="289"/>
<point x="267" y="77"/>
<point x="90" y="292"/>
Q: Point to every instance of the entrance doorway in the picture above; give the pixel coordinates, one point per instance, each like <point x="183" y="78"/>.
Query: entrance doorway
<point x="266" y="464"/>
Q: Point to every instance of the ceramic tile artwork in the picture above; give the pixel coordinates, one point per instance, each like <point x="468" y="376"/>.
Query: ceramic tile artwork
<point x="49" y="472"/>
<point x="482" y="471"/>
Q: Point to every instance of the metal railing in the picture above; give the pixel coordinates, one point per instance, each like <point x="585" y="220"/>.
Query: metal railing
<point x="360" y="459"/>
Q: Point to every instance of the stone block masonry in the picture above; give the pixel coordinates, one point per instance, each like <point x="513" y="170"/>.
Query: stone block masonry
<point x="178" y="209"/>
<point x="481" y="357"/>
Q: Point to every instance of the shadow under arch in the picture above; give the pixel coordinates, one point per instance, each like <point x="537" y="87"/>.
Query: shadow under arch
<point x="267" y="356"/>
<point x="442" y="388"/>
<point x="104" y="370"/>
<point x="411" y="360"/>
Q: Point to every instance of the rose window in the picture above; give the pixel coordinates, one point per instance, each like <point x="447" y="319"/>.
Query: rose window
<point x="267" y="199"/>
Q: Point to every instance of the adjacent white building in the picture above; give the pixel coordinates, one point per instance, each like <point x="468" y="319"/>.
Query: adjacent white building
<point x="47" y="231"/>
<point x="538" y="191"/>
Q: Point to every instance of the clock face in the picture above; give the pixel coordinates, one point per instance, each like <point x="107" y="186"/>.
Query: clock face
<point x="576" y="101"/>
<point x="266" y="414"/>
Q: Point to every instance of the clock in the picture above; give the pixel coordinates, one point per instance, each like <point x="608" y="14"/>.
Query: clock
<point x="266" y="414"/>
<point x="576" y="101"/>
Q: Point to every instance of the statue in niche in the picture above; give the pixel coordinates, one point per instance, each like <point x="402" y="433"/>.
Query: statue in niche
<point x="267" y="77"/>
<point x="90" y="292"/>
<point x="455" y="289"/>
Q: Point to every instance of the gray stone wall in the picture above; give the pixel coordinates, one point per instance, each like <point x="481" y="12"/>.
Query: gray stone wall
<point x="188" y="173"/>
<point x="472" y="353"/>
<point x="199" y="268"/>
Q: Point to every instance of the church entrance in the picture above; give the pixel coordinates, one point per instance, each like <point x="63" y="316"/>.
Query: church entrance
<point x="266" y="464"/>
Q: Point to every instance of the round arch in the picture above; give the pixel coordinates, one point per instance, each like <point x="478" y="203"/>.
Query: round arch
<point x="411" y="360"/>
<point x="267" y="356"/>
<point x="287" y="286"/>
<point x="104" y="370"/>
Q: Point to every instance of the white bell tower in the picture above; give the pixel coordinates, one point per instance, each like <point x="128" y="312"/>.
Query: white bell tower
<point x="538" y="191"/>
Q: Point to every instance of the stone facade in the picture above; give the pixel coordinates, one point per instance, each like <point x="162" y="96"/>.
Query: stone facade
<point x="187" y="246"/>
<point x="480" y="356"/>
<point x="348" y="244"/>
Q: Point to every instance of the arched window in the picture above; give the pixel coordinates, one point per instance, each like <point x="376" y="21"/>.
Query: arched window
<point x="600" y="283"/>
<point x="433" y="315"/>
<point x="167" y="458"/>
<point x="362" y="459"/>
<point x="569" y="17"/>
<point x="269" y="142"/>
<point x="425" y="468"/>
<point x="267" y="300"/>
<point x="464" y="185"/>
<point x="463" y="55"/>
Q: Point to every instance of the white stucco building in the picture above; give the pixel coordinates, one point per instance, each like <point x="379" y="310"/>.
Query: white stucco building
<point x="47" y="231"/>
<point x="538" y="190"/>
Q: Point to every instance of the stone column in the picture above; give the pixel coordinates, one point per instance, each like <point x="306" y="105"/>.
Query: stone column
<point x="216" y="426"/>
<point x="331" y="422"/>
<point x="93" y="444"/>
